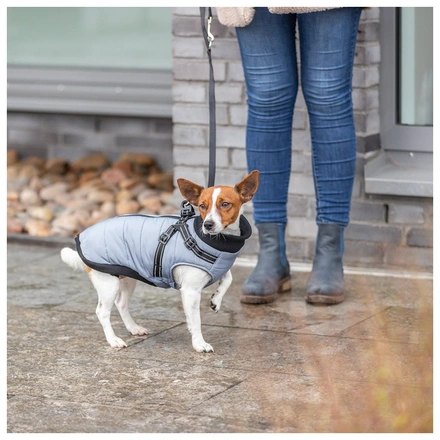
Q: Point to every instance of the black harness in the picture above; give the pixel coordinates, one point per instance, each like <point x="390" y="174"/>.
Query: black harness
<point x="186" y="212"/>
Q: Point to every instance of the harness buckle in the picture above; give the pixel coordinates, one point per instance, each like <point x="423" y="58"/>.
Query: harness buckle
<point x="190" y="242"/>
<point x="165" y="237"/>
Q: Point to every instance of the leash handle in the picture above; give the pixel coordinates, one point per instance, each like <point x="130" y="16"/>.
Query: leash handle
<point x="209" y="38"/>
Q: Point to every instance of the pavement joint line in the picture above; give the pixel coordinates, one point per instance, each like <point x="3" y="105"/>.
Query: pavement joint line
<point x="307" y="267"/>
<point x="240" y="261"/>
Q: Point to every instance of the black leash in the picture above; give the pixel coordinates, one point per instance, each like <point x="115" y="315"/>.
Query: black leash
<point x="187" y="210"/>
<point x="209" y="38"/>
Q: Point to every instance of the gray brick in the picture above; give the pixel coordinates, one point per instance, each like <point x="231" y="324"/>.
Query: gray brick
<point x="371" y="13"/>
<point x="409" y="257"/>
<point x="158" y="141"/>
<point x="360" y="121"/>
<point x="189" y="47"/>
<point x="296" y="249"/>
<point x="371" y="75"/>
<point x="368" y="31"/>
<point x="405" y="214"/>
<point x="34" y="138"/>
<point x="112" y="124"/>
<point x="297" y="206"/>
<point x="364" y="232"/>
<point x="187" y="26"/>
<point x="96" y="140"/>
<point x="359" y="55"/>
<point x="300" y="119"/>
<point x="190" y="135"/>
<point x="229" y="93"/>
<point x="187" y="11"/>
<point x="229" y="177"/>
<point x="231" y="137"/>
<point x="185" y="69"/>
<point x="195" y="174"/>
<point x="358" y="97"/>
<point x="238" y="159"/>
<point x="226" y="49"/>
<point x="301" y="227"/>
<point x="301" y="184"/>
<point x="372" y="98"/>
<point x="372" y="53"/>
<point x="238" y="114"/>
<point x="235" y="71"/>
<point x="23" y="121"/>
<point x="298" y="160"/>
<point x="198" y="156"/>
<point x="251" y="247"/>
<point x="419" y="237"/>
<point x="182" y="92"/>
<point x="372" y="122"/>
<point x="358" y="76"/>
<point x="71" y="123"/>
<point x="367" y="212"/>
<point x="198" y="114"/>
<point x="163" y="125"/>
<point x="301" y="140"/>
<point x="358" y="253"/>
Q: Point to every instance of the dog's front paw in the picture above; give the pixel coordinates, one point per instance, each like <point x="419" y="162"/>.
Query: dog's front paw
<point x="137" y="330"/>
<point x="216" y="302"/>
<point x="117" y="343"/>
<point x="202" y="347"/>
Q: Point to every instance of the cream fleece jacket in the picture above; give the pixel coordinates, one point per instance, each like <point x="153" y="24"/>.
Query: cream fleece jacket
<point x="240" y="17"/>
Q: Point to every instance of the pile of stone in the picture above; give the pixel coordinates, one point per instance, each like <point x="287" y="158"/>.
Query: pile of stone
<point x="56" y="197"/>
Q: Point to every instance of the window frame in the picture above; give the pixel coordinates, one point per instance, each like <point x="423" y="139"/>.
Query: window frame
<point x="404" y="165"/>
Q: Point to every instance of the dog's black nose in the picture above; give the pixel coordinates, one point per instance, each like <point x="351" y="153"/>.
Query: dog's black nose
<point x="208" y="224"/>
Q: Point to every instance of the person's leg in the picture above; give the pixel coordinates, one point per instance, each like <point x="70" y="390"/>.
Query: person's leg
<point x="268" y="54"/>
<point x="327" y="41"/>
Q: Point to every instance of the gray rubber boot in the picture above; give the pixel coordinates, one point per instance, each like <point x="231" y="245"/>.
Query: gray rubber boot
<point x="326" y="282"/>
<point x="272" y="272"/>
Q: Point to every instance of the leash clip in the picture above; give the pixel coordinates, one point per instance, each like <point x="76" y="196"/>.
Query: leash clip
<point x="210" y="36"/>
<point x="186" y="210"/>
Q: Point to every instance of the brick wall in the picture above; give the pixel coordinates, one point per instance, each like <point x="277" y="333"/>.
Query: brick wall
<point x="73" y="136"/>
<point x="384" y="231"/>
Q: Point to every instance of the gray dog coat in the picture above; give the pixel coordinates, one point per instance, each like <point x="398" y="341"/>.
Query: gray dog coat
<point x="140" y="247"/>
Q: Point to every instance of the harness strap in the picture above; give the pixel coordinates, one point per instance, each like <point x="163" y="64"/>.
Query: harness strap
<point x="190" y="243"/>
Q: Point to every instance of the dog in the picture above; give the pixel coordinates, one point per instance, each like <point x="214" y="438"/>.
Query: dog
<point x="187" y="254"/>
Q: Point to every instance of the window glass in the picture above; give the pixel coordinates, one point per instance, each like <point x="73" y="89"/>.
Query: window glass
<point x="416" y="66"/>
<point x="122" y="38"/>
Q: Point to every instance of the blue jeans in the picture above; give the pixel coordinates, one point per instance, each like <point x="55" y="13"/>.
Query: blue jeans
<point x="327" y="47"/>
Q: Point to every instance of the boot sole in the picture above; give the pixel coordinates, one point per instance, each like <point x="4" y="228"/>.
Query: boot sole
<point x="284" y="285"/>
<point x="325" y="299"/>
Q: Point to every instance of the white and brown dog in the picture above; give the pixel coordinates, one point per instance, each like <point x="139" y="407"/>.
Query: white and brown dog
<point x="187" y="254"/>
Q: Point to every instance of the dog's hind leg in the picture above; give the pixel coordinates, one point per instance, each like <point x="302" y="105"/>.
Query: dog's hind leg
<point x="126" y="289"/>
<point x="107" y="287"/>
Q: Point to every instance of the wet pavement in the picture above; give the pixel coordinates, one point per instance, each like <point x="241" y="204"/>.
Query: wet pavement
<point x="361" y="366"/>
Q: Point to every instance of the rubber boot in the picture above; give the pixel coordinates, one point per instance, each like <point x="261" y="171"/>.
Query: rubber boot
<point x="326" y="282"/>
<point x="272" y="272"/>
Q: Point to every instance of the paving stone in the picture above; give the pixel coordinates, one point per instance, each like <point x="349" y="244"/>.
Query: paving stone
<point x="365" y="365"/>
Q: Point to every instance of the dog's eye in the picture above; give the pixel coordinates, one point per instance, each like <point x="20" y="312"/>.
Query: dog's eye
<point x="225" y="205"/>
<point x="202" y="206"/>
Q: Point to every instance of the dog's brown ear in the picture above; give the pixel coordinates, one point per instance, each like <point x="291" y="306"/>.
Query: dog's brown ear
<point x="248" y="186"/>
<point x="190" y="191"/>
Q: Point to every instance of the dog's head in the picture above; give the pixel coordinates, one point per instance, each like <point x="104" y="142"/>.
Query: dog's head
<point x="220" y="206"/>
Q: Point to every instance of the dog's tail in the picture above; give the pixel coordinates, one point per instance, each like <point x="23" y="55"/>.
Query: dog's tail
<point x="72" y="259"/>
